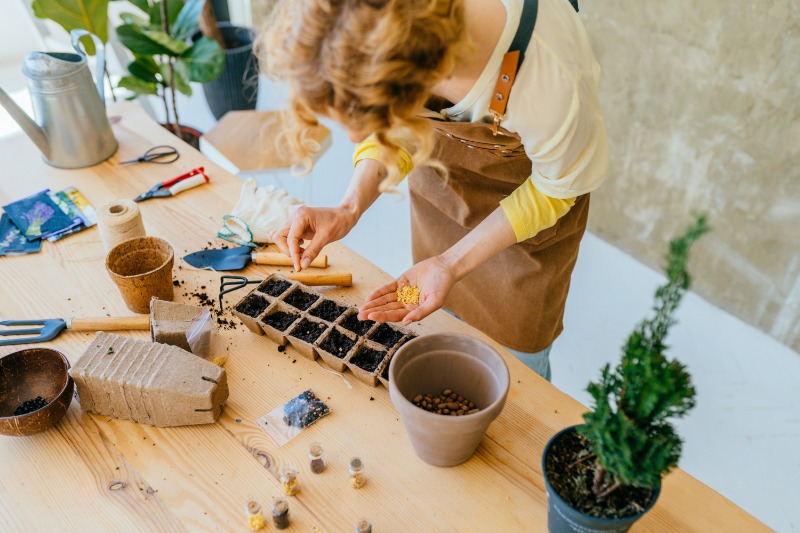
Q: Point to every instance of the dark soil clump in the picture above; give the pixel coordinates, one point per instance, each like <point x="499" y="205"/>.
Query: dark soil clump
<point x="301" y="300"/>
<point x="307" y="330"/>
<point x="280" y="320"/>
<point x="572" y="478"/>
<point x="328" y="310"/>
<point x="359" y="327"/>
<point x="386" y="335"/>
<point x="337" y="344"/>
<point x="274" y="287"/>
<point x="368" y="359"/>
<point x="252" y="306"/>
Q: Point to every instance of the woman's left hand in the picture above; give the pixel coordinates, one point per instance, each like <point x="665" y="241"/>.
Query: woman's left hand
<point x="434" y="279"/>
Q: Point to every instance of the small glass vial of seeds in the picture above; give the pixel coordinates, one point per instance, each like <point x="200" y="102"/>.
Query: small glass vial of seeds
<point x="363" y="526"/>
<point x="288" y="477"/>
<point x="280" y="513"/>
<point x="255" y="520"/>
<point x="315" y="455"/>
<point x="356" y="470"/>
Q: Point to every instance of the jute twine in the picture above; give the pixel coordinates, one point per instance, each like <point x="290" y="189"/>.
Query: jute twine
<point x="119" y="221"/>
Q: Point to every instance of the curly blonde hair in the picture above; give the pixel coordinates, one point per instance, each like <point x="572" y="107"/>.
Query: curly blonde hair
<point x="368" y="64"/>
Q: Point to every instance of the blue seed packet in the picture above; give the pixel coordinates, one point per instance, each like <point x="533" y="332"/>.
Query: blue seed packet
<point x="13" y="242"/>
<point x="39" y="217"/>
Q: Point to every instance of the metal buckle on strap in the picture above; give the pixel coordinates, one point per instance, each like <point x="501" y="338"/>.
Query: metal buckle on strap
<point x="497" y="119"/>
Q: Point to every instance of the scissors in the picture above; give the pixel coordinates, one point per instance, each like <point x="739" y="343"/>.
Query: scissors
<point x="160" y="155"/>
<point x="193" y="178"/>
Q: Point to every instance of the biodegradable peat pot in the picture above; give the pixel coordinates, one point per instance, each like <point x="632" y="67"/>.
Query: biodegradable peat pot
<point x="563" y="518"/>
<point x="142" y="268"/>
<point x="441" y="361"/>
<point x="26" y="374"/>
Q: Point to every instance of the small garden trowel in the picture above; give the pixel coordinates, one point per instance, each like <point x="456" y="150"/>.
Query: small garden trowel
<point x="239" y="257"/>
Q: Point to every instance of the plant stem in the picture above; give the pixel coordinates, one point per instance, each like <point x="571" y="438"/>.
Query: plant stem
<point x="174" y="104"/>
<point x="582" y="459"/>
<point x="608" y="490"/>
<point x="166" y="107"/>
<point x="110" y="85"/>
<point x="597" y="482"/>
<point x="171" y="83"/>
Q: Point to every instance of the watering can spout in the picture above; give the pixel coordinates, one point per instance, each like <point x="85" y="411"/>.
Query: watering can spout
<point x="31" y="128"/>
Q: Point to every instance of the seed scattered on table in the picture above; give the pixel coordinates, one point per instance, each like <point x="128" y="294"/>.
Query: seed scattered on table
<point x="447" y="403"/>
<point x="408" y="294"/>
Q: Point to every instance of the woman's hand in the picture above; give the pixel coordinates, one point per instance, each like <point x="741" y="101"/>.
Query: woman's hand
<point x="433" y="277"/>
<point x="320" y="225"/>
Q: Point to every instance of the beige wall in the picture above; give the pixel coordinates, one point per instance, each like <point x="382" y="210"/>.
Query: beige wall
<point x="702" y="107"/>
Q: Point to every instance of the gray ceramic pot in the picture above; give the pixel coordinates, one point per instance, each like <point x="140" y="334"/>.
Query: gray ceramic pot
<point x="432" y="363"/>
<point x="563" y="518"/>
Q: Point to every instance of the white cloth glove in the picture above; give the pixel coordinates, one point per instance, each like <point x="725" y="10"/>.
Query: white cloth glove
<point x="259" y="211"/>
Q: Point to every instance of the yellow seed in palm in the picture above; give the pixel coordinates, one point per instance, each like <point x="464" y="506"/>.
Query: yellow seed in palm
<point x="407" y="294"/>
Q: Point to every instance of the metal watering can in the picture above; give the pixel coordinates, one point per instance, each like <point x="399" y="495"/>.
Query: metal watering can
<point x="71" y="128"/>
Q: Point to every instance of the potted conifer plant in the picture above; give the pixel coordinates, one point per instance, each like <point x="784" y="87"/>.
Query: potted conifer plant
<point x="165" y="59"/>
<point x="604" y="474"/>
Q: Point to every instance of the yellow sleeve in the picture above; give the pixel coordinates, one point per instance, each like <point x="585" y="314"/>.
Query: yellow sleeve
<point x="368" y="149"/>
<point x="530" y="211"/>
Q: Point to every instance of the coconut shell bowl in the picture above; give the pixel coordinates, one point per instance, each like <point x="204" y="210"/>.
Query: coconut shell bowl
<point x="25" y="376"/>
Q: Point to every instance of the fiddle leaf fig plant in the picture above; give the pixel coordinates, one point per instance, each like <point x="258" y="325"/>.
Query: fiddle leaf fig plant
<point x="91" y="15"/>
<point x="629" y="429"/>
<point x="165" y="59"/>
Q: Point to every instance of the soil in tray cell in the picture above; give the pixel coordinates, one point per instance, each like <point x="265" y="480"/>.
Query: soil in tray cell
<point x="301" y="300"/>
<point x="274" y="287"/>
<point x="337" y="344"/>
<point x="386" y="335"/>
<point x="359" y="327"/>
<point x="328" y="310"/>
<point x="253" y="305"/>
<point x="307" y="330"/>
<point x="280" y="320"/>
<point x="368" y="359"/>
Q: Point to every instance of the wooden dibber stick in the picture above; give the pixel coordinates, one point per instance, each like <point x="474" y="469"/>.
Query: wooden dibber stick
<point x="339" y="280"/>
<point x="279" y="259"/>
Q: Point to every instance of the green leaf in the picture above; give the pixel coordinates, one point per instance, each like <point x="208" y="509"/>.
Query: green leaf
<point x="133" y="38"/>
<point x="181" y="84"/>
<point x="133" y="18"/>
<point x="204" y="61"/>
<point x="91" y="15"/>
<point x="187" y="20"/>
<point x="142" y="41"/>
<point x="175" y="47"/>
<point x="137" y="85"/>
<point x="145" y="68"/>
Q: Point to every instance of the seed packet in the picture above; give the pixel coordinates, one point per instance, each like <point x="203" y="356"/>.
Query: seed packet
<point x="39" y="217"/>
<point x="13" y="242"/>
<point x="287" y="421"/>
<point x="75" y="205"/>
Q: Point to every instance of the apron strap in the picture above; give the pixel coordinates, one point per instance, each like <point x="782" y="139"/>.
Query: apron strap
<point x="513" y="59"/>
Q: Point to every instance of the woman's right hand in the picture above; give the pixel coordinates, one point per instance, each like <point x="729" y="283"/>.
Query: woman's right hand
<point x="319" y="225"/>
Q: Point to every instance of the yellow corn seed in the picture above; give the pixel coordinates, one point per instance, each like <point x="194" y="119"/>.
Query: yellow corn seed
<point x="408" y="294"/>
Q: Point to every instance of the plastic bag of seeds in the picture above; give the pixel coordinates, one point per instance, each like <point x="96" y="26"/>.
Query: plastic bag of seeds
<point x="284" y="423"/>
<point x="199" y="333"/>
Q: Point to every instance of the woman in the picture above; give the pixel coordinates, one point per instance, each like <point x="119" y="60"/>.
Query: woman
<point x="500" y="182"/>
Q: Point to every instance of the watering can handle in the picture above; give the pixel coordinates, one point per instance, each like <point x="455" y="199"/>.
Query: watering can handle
<point x="100" y="68"/>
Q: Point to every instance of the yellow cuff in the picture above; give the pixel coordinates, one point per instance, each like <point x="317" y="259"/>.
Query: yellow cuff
<point x="369" y="149"/>
<point x="530" y="211"/>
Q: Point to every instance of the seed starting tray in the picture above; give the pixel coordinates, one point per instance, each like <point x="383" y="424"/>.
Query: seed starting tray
<point x="289" y="312"/>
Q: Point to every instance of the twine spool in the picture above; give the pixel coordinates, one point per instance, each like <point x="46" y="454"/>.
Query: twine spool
<point x="119" y="221"/>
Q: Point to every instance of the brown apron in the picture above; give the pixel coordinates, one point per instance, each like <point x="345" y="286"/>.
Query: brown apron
<point x="518" y="296"/>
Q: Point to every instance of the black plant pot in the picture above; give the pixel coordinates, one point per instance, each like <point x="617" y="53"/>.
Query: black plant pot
<point x="236" y="89"/>
<point x="563" y="518"/>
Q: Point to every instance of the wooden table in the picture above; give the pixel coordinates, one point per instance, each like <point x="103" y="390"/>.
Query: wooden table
<point x="94" y="473"/>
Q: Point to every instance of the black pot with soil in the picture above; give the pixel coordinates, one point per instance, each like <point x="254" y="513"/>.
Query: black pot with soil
<point x="571" y="503"/>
